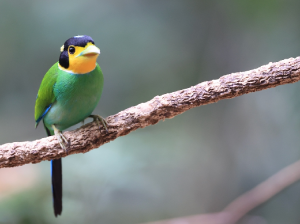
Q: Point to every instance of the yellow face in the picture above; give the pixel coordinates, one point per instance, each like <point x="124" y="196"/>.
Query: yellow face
<point x="81" y="59"/>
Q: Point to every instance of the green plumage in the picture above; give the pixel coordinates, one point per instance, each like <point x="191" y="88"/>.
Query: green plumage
<point x="72" y="97"/>
<point x="45" y="96"/>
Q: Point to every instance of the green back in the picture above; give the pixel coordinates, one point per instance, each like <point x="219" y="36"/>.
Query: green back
<point x="45" y="96"/>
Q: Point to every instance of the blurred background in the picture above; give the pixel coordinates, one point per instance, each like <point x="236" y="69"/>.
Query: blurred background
<point x="195" y="163"/>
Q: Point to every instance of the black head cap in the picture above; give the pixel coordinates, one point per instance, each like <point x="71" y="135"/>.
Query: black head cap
<point x="81" y="41"/>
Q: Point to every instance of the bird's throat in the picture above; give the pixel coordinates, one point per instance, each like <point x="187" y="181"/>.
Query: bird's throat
<point x="81" y="65"/>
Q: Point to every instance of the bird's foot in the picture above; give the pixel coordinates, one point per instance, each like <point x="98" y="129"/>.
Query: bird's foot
<point x="99" y="119"/>
<point x="64" y="143"/>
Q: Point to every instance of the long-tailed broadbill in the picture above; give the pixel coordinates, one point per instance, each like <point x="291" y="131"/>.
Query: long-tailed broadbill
<point x="68" y="94"/>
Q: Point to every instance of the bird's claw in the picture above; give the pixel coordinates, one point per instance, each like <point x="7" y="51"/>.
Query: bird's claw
<point x="98" y="118"/>
<point x="64" y="143"/>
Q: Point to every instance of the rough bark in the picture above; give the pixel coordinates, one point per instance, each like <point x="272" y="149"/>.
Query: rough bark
<point x="159" y="108"/>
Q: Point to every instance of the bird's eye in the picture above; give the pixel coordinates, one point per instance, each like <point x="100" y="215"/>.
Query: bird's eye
<point x="72" y="50"/>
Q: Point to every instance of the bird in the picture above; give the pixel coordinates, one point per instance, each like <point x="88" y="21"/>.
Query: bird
<point x="68" y="94"/>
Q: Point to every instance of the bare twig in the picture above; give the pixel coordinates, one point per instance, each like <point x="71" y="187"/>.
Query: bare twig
<point x="159" y="108"/>
<point x="246" y="202"/>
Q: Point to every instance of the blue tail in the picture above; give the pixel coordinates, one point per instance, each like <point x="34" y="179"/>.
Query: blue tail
<point x="56" y="172"/>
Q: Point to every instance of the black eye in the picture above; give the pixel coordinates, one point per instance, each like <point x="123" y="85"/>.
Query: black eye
<point x="72" y="50"/>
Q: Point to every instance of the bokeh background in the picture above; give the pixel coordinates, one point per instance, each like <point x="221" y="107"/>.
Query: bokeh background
<point x="195" y="163"/>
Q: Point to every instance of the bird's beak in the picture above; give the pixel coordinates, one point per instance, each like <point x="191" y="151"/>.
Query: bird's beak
<point x="91" y="50"/>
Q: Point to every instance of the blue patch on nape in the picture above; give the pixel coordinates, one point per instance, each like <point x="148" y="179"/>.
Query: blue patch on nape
<point x="43" y="115"/>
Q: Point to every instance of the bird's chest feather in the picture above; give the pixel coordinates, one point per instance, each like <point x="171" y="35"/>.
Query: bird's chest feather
<point x="76" y="98"/>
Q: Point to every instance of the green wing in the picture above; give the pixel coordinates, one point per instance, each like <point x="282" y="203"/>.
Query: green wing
<point x="45" y="97"/>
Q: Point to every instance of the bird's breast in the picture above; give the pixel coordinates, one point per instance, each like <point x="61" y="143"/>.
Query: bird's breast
<point x="76" y="98"/>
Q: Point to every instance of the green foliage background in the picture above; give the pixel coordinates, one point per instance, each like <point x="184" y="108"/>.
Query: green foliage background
<point x="197" y="162"/>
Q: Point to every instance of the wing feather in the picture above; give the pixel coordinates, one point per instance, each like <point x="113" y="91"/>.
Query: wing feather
<point x="45" y="97"/>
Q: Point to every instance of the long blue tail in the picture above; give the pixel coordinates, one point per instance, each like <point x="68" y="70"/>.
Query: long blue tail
<point x="56" y="173"/>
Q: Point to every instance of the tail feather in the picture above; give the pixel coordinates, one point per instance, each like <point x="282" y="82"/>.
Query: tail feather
<point x="56" y="173"/>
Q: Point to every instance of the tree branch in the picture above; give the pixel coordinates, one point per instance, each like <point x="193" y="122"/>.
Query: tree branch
<point x="159" y="108"/>
<point x="247" y="201"/>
